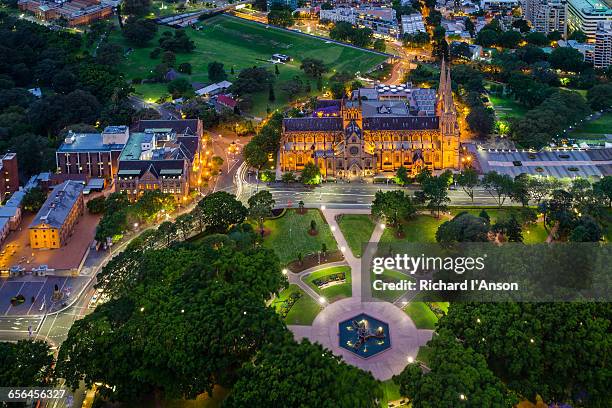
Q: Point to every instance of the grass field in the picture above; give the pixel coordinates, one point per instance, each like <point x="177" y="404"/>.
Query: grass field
<point x="421" y="315"/>
<point x="357" y="229"/>
<point x="303" y="311"/>
<point x="506" y="107"/>
<point x="421" y="228"/>
<point x="390" y="392"/>
<point x="289" y="235"/>
<point x="334" y="292"/>
<point x="242" y="44"/>
<point x="594" y="129"/>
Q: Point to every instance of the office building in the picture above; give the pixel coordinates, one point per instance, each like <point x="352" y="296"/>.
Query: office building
<point x="381" y="20"/>
<point x="91" y="155"/>
<point x="413" y="23"/>
<point x="585" y="15"/>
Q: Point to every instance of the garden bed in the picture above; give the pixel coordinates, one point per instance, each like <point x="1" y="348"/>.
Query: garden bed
<point x="312" y="260"/>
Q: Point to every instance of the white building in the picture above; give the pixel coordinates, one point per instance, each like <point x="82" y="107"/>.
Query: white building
<point x="602" y="57"/>
<point x="413" y="23"/>
<point x="381" y="20"/>
<point x="584" y="15"/>
<point x="547" y="16"/>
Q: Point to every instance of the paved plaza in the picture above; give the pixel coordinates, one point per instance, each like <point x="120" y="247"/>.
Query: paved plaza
<point x="405" y="337"/>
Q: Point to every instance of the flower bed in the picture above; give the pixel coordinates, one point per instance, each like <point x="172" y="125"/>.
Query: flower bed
<point x="287" y="304"/>
<point x="329" y="280"/>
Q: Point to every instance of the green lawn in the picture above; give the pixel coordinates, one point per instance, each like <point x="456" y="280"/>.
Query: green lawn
<point x="421" y="228"/>
<point x="389" y="276"/>
<point x="303" y="311"/>
<point x="289" y="235"/>
<point x="390" y="392"/>
<point x="421" y="315"/>
<point x="506" y="107"/>
<point x="357" y="229"/>
<point x="594" y="129"/>
<point x="240" y="44"/>
<point x="334" y="292"/>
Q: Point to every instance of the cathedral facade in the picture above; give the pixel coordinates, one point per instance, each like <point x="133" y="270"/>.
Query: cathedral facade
<point x="378" y="130"/>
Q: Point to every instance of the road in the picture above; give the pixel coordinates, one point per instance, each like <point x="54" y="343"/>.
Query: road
<point x="342" y="194"/>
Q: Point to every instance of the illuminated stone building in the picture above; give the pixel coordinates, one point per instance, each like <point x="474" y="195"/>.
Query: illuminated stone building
<point x="378" y="130"/>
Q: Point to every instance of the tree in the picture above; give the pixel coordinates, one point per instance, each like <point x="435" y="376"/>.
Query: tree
<point x="338" y="90"/>
<point x="294" y="86"/>
<point x="499" y="186"/>
<point x="524" y="341"/>
<point x="578" y="35"/>
<point x="136" y="7"/>
<point x="468" y="180"/>
<point x="184" y="224"/>
<point x="393" y="206"/>
<point x="96" y="205"/>
<point x="185" y="68"/>
<point x="251" y="80"/>
<point x="511" y="229"/>
<point x="168" y="230"/>
<point x="586" y="230"/>
<point x="464" y="227"/>
<point x="457" y="375"/>
<point x="537" y="38"/>
<point x="379" y="45"/>
<point x="221" y="210"/>
<point x="281" y="18"/>
<point x="600" y="97"/>
<point x="417" y="39"/>
<point x="522" y="25"/>
<point x="401" y="176"/>
<point x="603" y="187"/>
<point x="33" y="199"/>
<point x="310" y="174"/>
<point x="139" y="31"/>
<point x="278" y="375"/>
<point x="313" y="67"/>
<point x="216" y="72"/>
<point x="435" y="192"/>
<point x="180" y="87"/>
<point x="566" y="59"/>
<point x="168" y="58"/>
<point x="271" y="96"/>
<point x="254" y="155"/>
<point x="480" y="120"/>
<point x="261" y="205"/>
<point x="470" y="27"/>
<point x="288" y="177"/>
<point x="26" y="363"/>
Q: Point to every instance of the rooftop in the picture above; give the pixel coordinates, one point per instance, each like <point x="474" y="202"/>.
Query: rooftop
<point x="86" y="142"/>
<point x="183" y="126"/>
<point x="557" y="163"/>
<point x="58" y="205"/>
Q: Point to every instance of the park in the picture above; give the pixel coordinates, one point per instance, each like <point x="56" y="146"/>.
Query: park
<point x="240" y="44"/>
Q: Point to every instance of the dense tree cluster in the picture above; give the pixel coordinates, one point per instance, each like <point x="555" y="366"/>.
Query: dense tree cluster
<point x="120" y="214"/>
<point x="77" y="88"/>
<point x="264" y="145"/>
<point x="343" y="31"/>
<point x="26" y="363"/>
<point x="522" y="343"/>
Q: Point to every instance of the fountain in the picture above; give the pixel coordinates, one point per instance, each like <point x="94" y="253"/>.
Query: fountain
<point x="364" y="335"/>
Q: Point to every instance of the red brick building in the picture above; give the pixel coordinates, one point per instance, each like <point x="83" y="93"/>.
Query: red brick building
<point x="9" y="172"/>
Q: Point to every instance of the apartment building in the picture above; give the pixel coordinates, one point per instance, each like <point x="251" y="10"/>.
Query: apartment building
<point x="9" y="175"/>
<point x="585" y="15"/>
<point x="602" y="55"/>
<point x="381" y="20"/>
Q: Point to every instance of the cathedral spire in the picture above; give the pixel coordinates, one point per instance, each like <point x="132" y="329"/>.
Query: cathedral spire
<point x="442" y="78"/>
<point x="449" y="106"/>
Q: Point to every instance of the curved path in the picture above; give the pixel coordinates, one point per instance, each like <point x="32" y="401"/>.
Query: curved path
<point x="405" y="337"/>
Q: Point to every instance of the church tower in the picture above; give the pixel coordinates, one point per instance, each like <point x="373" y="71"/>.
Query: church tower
<point x="449" y="126"/>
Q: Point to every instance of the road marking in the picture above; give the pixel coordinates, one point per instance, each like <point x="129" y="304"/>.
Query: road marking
<point x="36" y="297"/>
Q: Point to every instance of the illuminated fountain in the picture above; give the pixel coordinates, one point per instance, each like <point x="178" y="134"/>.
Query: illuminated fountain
<point x="364" y="335"/>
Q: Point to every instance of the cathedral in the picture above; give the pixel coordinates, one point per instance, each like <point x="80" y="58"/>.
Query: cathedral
<point x="377" y="130"/>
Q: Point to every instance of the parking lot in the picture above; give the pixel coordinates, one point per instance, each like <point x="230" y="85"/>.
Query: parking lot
<point x="41" y="290"/>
